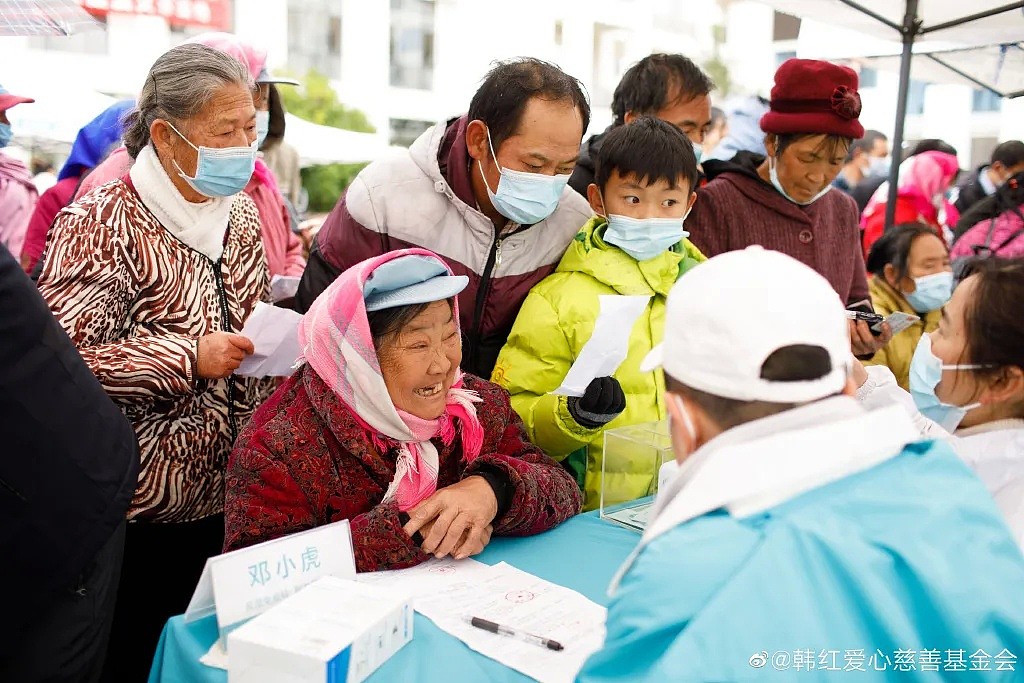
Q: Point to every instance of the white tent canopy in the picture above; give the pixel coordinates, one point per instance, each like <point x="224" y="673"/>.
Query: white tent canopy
<point x="318" y="144"/>
<point x="59" y="110"/>
<point x="998" y="68"/>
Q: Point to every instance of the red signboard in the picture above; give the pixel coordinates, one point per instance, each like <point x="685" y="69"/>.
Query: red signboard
<point x="211" y="14"/>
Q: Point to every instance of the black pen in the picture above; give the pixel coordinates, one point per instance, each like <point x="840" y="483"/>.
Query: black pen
<point x="515" y="633"/>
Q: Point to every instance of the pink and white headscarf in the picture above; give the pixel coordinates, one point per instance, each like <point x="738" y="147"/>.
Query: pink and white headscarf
<point x="923" y="179"/>
<point x="337" y="344"/>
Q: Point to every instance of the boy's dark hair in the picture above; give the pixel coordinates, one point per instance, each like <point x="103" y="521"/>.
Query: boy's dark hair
<point x="650" y="149"/>
<point x="508" y="87"/>
<point x="657" y="80"/>
<point x="797" y="363"/>
<point x="1009" y="153"/>
<point x="894" y="247"/>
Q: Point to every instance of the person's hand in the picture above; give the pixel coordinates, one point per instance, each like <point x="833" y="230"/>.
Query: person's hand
<point x="220" y="353"/>
<point x="863" y="343"/>
<point x="455" y="520"/>
<point x="860" y="373"/>
<point x="602" y="401"/>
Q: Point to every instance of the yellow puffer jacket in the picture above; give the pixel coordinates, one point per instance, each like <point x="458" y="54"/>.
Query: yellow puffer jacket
<point x="898" y="353"/>
<point x="557" y="319"/>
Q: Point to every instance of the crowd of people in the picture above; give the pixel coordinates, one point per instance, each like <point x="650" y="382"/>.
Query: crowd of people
<point x="832" y="469"/>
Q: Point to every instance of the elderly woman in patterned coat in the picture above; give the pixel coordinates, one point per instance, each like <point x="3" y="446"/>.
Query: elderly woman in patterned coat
<point x="152" y="276"/>
<point x="381" y="427"/>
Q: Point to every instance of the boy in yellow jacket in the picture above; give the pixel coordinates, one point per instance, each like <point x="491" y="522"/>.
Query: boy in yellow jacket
<point x="635" y="245"/>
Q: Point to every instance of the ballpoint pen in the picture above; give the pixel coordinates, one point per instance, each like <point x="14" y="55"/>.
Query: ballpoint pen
<point x="502" y="630"/>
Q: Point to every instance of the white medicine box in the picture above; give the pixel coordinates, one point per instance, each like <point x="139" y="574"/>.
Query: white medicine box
<point x="638" y="459"/>
<point x="333" y="630"/>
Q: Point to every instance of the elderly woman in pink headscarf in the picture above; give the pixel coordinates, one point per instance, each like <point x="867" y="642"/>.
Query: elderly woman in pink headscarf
<point x="282" y="245"/>
<point x="921" y="197"/>
<point x="380" y="426"/>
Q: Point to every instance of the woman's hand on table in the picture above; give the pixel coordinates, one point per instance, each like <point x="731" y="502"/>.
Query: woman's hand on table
<point x="456" y="520"/>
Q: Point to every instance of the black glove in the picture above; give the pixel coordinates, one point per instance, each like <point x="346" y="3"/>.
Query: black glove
<point x="602" y="402"/>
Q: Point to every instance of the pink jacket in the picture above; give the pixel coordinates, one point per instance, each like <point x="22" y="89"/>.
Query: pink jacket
<point x="283" y="247"/>
<point x="1007" y="223"/>
<point x="17" y="200"/>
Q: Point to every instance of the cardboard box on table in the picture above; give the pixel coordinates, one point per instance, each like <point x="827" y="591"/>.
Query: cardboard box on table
<point x="332" y="631"/>
<point x="638" y="460"/>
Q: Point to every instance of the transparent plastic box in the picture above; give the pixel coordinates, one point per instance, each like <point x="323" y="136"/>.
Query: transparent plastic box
<point x="632" y="461"/>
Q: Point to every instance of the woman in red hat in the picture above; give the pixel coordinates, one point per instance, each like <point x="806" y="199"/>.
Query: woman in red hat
<point x="783" y="201"/>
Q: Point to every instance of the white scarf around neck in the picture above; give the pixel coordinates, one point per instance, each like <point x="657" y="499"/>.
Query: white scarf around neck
<point x="200" y="226"/>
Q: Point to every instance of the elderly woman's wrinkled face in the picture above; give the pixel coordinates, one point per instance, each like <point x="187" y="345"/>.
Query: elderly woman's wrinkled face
<point x="227" y="120"/>
<point x="808" y="165"/>
<point x="420" y="361"/>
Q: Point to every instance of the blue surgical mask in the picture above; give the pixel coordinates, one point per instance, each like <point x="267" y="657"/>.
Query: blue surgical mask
<point x="644" y="238"/>
<point x="5" y="134"/>
<point x="925" y="374"/>
<point x="525" y="198"/>
<point x="774" y="174"/>
<point x="931" y="293"/>
<point x="878" y="167"/>
<point x="698" y="151"/>
<point x="262" y="127"/>
<point x="220" y="171"/>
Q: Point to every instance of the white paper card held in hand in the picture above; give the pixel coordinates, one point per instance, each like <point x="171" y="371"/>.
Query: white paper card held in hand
<point x="274" y="332"/>
<point x="283" y="287"/>
<point x="244" y="583"/>
<point x="608" y="345"/>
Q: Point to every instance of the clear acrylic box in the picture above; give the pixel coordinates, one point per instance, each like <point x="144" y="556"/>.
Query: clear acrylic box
<point x="632" y="461"/>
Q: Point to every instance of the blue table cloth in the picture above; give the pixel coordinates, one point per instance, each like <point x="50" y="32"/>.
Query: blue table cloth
<point x="582" y="554"/>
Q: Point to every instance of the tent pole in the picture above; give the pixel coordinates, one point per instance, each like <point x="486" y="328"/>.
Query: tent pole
<point x="911" y="25"/>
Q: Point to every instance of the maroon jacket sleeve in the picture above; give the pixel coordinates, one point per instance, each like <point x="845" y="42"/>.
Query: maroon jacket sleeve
<point x="708" y="231"/>
<point x="341" y="243"/>
<point x="282" y="478"/>
<point x="545" y="494"/>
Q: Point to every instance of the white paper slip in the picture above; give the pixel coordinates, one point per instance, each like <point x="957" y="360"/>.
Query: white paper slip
<point x="216" y="657"/>
<point x="274" y="332"/>
<point x="608" y="345"/>
<point x="283" y="287"/>
<point x="511" y="597"/>
<point x="428" y="578"/>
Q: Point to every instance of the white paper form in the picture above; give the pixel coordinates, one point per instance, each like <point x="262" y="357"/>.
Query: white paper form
<point x="283" y="287"/>
<point x="274" y="332"/>
<point x="429" y="577"/>
<point x="523" y="601"/>
<point x="608" y="345"/>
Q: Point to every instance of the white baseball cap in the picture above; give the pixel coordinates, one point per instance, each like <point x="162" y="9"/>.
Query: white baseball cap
<point x="724" y="319"/>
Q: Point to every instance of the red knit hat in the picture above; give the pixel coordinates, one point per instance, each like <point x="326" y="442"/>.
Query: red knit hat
<point x="811" y="96"/>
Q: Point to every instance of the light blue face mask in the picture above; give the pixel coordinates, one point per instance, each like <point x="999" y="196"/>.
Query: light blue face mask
<point x="698" y="151"/>
<point x="931" y="293"/>
<point x="774" y="175"/>
<point x="925" y="374"/>
<point x="525" y="198"/>
<point x="262" y="127"/>
<point x="5" y="134"/>
<point x="220" y="171"/>
<point x="644" y="238"/>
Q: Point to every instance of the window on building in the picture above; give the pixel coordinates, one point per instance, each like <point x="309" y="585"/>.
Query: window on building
<point x="314" y="36"/>
<point x="781" y="57"/>
<point x="915" y="97"/>
<point x="868" y="77"/>
<point x="787" y="27"/>
<point x="986" y="100"/>
<point x="405" y="131"/>
<point x="412" y="44"/>
<point x="558" y="33"/>
<point x="87" y="42"/>
<point x="981" y="150"/>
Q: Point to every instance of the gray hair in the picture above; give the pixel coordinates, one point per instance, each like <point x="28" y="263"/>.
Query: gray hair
<point x="180" y="83"/>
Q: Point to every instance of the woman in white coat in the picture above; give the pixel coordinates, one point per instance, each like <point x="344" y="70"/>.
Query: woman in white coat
<point x="967" y="382"/>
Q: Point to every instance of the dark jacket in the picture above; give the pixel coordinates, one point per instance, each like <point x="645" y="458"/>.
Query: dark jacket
<point x="425" y="199"/>
<point x="970" y="191"/>
<point x="305" y="461"/>
<point x="863" y="191"/>
<point x="586" y="165"/>
<point x="737" y="209"/>
<point x="69" y="462"/>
